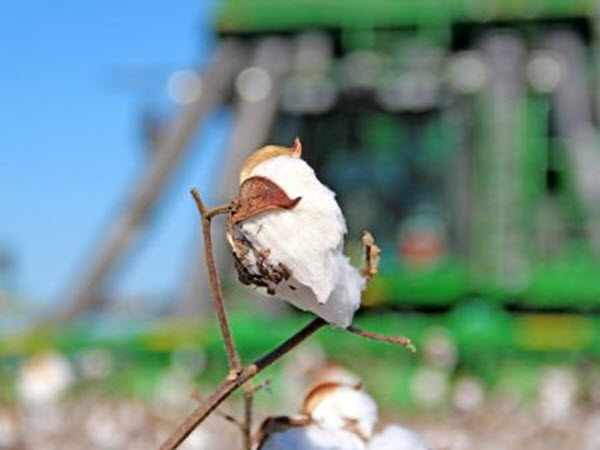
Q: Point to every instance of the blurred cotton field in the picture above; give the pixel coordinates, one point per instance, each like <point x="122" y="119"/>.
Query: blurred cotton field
<point x="562" y="410"/>
<point x="462" y="134"/>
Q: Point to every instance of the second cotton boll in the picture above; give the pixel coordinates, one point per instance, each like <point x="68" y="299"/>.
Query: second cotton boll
<point x="287" y="235"/>
<point x="342" y="406"/>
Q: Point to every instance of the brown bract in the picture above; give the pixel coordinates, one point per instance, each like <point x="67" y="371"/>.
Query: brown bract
<point x="322" y="390"/>
<point x="278" y="424"/>
<point x="268" y="152"/>
<point x="317" y="394"/>
<point x="257" y="195"/>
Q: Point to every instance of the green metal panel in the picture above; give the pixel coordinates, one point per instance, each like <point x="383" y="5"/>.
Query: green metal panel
<point x="271" y="15"/>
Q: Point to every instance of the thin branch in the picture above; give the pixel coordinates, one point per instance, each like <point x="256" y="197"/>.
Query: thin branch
<point x="263" y="385"/>
<point x="231" y="419"/>
<point x="235" y="366"/>
<point x="228" y="386"/>
<point x="249" y="390"/>
<point x="248" y="404"/>
<point x="397" y="340"/>
<point x="228" y="417"/>
<point x="372" y="254"/>
<point x="223" y="209"/>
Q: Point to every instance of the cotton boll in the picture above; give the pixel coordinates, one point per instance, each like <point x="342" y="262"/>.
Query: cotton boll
<point x="44" y="378"/>
<point x="312" y="437"/>
<point x="469" y="394"/>
<point x="429" y="386"/>
<point x="337" y="374"/>
<point x="558" y="390"/>
<point x="335" y="405"/>
<point x="396" y="437"/>
<point x="9" y="429"/>
<point x="294" y="249"/>
<point x="173" y="390"/>
<point x="96" y="363"/>
<point x="104" y="427"/>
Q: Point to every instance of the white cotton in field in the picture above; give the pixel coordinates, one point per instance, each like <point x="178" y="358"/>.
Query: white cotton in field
<point x="342" y="406"/>
<point x="395" y="437"/>
<point x="312" y="437"/>
<point x="44" y="378"/>
<point x="9" y="429"/>
<point x="308" y="239"/>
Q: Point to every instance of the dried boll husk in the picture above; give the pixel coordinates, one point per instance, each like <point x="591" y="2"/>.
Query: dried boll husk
<point x="296" y="433"/>
<point x="279" y="424"/>
<point x="287" y="231"/>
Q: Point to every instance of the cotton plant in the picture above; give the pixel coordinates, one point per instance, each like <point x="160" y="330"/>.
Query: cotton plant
<point x="287" y="230"/>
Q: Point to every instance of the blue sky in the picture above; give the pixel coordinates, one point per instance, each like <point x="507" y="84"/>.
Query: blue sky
<point x="69" y="134"/>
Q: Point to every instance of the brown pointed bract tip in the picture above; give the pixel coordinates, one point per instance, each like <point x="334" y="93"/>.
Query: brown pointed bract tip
<point x="319" y="392"/>
<point x="268" y="152"/>
<point x="297" y="148"/>
<point x="257" y="195"/>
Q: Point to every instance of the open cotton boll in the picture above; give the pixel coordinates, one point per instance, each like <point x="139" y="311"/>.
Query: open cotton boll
<point x="44" y="378"/>
<point x="9" y="429"/>
<point x="395" y="437"/>
<point x="312" y="437"/>
<point x="336" y="405"/>
<point x="294" y="248"/>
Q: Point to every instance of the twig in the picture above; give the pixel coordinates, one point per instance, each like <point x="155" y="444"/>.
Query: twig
<point x="262" y="385"/>
<point x="233" y="359"/>
<point x="247" y="425"/>
<point x="228" y="386"/>
<point x="223" y="209"/>
<point x="372" y="254"/>
<point x="228" y="417"/>
<point x="397" y="340"/>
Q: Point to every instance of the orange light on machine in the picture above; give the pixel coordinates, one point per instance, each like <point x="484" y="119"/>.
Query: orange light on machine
<point x="421" y="241"/>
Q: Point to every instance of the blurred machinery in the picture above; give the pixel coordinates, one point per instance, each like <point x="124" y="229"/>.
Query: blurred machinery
<point x="462" y="133"/>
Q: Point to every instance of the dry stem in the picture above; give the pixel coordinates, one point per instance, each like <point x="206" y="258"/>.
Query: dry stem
<point x="372" y="252"/>
<point x="239" y="377"/>
<point x="248" y="403"/>
<point x="228" y="386"/>
<point x="228" y="417"/>
<point x="215" y="285"/>
<point x="397" y="340"/>
<point x="246" y="427"/>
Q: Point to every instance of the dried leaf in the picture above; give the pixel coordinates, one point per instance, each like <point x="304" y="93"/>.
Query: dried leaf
<point x="372" y="255"/>
<point x="257" y="195"/>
